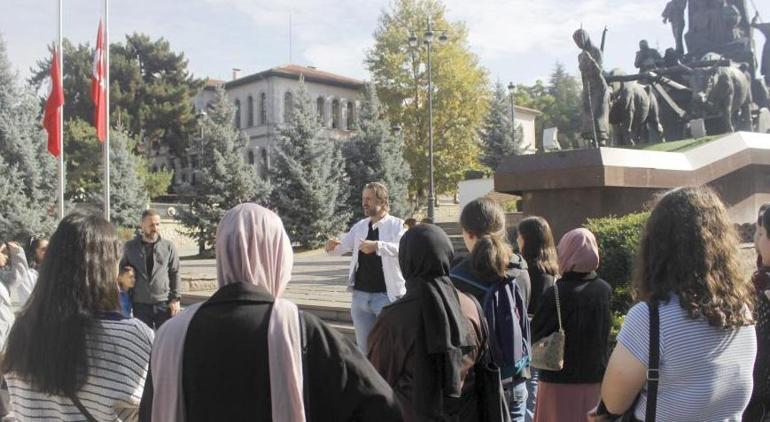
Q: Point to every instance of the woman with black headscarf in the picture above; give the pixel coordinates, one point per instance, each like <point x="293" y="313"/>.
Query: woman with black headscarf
<point x="426" y="344"/>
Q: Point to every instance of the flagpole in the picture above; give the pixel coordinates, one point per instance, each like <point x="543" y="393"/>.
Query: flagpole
<point x="106" y="145"/>
<point x="61" y="120"/>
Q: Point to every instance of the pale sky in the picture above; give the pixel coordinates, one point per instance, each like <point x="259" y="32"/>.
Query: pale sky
<point x="517" y="40"/>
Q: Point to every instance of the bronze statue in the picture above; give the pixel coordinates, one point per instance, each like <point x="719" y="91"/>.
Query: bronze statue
<point x="725" y="91"/>
<point x="596" y="94"/>
<point x="674" y="13"/>
<point x="764" y="28"/>
<point x="634" y="113"/>
<point x="647" y="58"/>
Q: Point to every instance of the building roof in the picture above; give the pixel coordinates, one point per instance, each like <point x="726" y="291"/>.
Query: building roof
<point x="526" y="110"/>
<point x="293" y="71"/>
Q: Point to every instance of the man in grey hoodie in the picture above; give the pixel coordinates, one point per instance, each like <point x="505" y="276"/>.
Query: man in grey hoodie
<point x="155" y="263"/>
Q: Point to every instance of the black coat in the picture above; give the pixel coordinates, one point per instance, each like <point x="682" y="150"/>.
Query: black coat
<point x="540" y="282"/>
<point x="226" y="369"/>
<point x="586" y="318"/>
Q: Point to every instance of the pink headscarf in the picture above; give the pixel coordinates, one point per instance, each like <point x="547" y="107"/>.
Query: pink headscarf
<point x="252" y="247"/>
<point x="578" y="252"/>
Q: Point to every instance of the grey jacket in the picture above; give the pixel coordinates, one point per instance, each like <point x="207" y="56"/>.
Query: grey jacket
<point x="163" y="284"/>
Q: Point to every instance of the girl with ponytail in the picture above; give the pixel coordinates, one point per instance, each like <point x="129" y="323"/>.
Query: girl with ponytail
<point x="491" y="264"/>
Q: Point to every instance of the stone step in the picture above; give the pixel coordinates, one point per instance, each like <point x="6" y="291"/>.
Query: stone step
<point x="451" y="228"/>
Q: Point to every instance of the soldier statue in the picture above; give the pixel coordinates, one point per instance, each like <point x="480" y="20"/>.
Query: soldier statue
<point x="674" y="13"/>
<point x="647" y="58"/>
<point x="596" y="93"/>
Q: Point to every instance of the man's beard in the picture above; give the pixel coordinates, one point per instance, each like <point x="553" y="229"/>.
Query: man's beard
<point x="150" y="236"/>
<point x="372" y="212"/>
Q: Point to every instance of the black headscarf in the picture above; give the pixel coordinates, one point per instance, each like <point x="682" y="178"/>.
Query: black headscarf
<point x="425" y="255"/>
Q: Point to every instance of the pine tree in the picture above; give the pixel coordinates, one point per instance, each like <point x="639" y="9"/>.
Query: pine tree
<point x="497" y="136"/>
<point x="310" y="184"/>
<point x="29" y="204"/>
<point x="128" y="197"/>
<point x="226" y="180"/>
<point x="374" y="154"/>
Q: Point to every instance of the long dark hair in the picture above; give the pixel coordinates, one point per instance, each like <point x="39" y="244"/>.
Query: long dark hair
<point x="47" y="344"/>
<point x="689" y="248"/>
<point x="539" y="247"/>
<point x="34" y="243"/>
<point x="484" y="219"/>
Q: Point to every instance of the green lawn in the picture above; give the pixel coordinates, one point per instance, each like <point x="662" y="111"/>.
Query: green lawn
<point x="677" y="146"/>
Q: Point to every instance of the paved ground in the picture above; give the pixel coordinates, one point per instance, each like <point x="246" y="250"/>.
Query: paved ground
<point x="317" y="279"/>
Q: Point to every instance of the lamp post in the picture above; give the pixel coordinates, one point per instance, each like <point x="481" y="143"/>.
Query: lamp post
<point x="512" y="92"/>
<point x="428" y="37"/>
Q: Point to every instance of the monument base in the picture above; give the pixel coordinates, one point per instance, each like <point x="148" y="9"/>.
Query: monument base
<point x="568" y="187"/>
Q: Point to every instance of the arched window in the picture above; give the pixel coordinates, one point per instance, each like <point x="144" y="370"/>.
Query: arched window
<point x="319" y="106"/>
<point x="264" y="164"/>
<point x="238" y="114"/>
<point x="336" y="114"/>
<point x="250" y="110"/>
<point x="288" y="105"/>
<point x="262" y="109"/>
<point x="251" y="157"/>
<point x="350" y="120"/>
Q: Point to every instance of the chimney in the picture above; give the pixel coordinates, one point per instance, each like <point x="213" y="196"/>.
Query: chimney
<point x="236" y="71"/>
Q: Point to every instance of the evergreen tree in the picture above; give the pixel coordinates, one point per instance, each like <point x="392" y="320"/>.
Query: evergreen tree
<point x="226" y="180"/>
<point x="27" y="207"/>
<point x="497" y="135"/>
<point x="310" y="184"/>
<point x="374" y="154"/>
<point x="128" y="197"/>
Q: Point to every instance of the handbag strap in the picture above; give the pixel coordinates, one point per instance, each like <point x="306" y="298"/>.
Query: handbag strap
<point x="558" y="307"/>
<point x="305" y="378"/>
<point x="653" y="372"/>
<point x="81" y="408"/>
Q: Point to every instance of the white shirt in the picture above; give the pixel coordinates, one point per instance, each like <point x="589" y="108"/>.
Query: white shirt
<point x="390" y="231"/>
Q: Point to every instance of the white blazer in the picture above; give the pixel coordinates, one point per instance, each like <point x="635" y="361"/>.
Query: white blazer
<point x="390" y="230"/>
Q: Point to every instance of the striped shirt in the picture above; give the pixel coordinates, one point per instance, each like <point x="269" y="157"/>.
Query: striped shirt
<point x="119" y="358"/>
<point x="705" y="371"/>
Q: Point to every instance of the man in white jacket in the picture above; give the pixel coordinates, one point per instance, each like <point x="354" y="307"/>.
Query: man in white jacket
<point x="375" y="277"/>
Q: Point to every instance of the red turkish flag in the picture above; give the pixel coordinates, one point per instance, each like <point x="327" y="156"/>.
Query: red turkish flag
<point x="52" y="118"/>
<point x="98" y="87"/>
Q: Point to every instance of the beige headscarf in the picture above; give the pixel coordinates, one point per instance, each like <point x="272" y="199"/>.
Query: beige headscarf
<point x="252" y="247"/>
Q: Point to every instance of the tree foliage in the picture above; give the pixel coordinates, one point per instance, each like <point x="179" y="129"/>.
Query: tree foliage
<point x="559" y="101"/>
<point x="310" y="184"/>
<point x="497" y="134"/>
<point x="376" y="154"/>
<point x="28" y="171"/>
<point x="128" y="196"/>
<point x="460" y="91"/>
<point x="226" y="180"/>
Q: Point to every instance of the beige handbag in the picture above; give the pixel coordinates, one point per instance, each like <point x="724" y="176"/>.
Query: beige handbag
<point x="548" y="352"/>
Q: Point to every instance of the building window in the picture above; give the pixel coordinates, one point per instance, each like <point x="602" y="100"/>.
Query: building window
<point x="184" y="177"/>
<point x="193" y="179"/>
<point x="238" y="114"/>
<point x="264" y="164"/>
<point x="250" y="110"/>
<point x="184" y="162"/>
<point x="319" y="106"/>
<point x="262" y="109"/>
<point x="194" y="159"/>
<point x="288" y="105"/>
<point x="350" y="120"/>
<point x="335" y="114"/>
<point x="251" y="157"/>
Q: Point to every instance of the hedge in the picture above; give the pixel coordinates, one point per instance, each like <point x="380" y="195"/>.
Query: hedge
<point x="618" y="239"/>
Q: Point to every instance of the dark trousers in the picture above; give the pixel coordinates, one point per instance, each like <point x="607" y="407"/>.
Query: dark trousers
<point x="152" y="314"/>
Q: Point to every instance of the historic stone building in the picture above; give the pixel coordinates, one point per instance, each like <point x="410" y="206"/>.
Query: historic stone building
<point x="263" y="101"/>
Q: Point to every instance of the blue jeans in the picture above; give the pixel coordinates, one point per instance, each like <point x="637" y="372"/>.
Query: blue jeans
<point x="532" y="399"/>
<point x="516" y="395"/>
<point x="365" y="309"/>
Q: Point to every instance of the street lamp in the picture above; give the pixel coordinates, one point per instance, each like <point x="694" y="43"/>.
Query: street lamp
<point x="512" y="92"/>
<point x="427" y="40"/>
